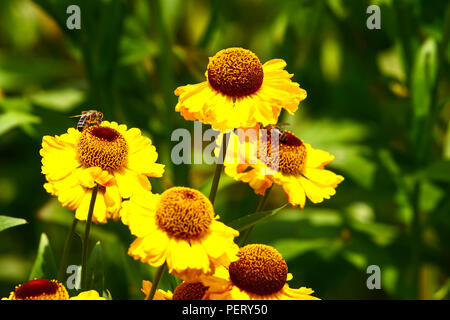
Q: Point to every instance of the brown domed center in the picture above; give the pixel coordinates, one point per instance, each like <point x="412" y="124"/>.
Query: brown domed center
<point x="36" y="287"/>
<point x="290" y="155"/>
<point x="102" y="147"/>
<point x="105" y="133"/>
<point x="189" y="291"/>
<point x="235" y="72"/>
<point x="184" y="213"/>
<point x="260" y="269"/>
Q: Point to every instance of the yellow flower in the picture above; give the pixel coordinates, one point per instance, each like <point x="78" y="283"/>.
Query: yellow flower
<point x="159" y="294"/>
<point x="260" y="274"/>
<point x="184" y="291"/>
<point x="239" y="92"/>
<point x="39" y="289"/>
<point x="43" y="289"/>
<point x="88" y="295"/>
<point x="294" y="164"/>
<point x="117" y="159"/>
<point x="178" y="227"/>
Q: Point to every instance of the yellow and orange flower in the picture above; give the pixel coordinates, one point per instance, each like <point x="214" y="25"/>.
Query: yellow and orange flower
<point x="239" y="91"/>
<point x="260" y="273"/>
<point x="118" y="159"/>
<point x="43" y="289"/>
<point x="178" y="227"/>
<point x="294" y="164"/>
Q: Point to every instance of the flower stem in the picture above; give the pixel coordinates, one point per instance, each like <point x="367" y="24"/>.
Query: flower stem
<point x="66" y="250"/>
<point x="219" y="167"/>
<point x="416" y="243"/>
<point x="259" y="208"/>
<point x="156" y="280"/>
<point x="86" y="239"/>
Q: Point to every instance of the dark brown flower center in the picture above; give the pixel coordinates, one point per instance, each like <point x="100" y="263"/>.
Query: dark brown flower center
<point x="189" y="291"/>
<point x="235" y="72"/>
<point x="35" y="288"/>
<point x="184" y="213"/>
<point x="102" y="147"/>
<point x="260" y="269"/>
<point x="105" y="133"/>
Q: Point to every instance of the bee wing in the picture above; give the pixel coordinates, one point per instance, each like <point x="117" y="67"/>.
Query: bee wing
<point x="77" y="116"/>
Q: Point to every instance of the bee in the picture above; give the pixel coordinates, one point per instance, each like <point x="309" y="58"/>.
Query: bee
<point x="284" y="136"/>
<point x="88" y="118"/>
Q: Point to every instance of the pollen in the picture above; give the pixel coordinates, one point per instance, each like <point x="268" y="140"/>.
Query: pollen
<point x="260" y="270"/>
<point x="290" y="155"/>
<point x="40" y="289"/>
<point x="235" y="72"/>
<point x="189" y="291"/>
<point x="184" y="213"/>
<point x="102" y="147"/>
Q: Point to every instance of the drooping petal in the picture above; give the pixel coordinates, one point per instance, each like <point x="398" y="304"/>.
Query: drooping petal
<point x="130" y="182"/>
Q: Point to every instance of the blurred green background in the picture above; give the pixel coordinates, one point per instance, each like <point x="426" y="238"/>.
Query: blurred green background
<point x="377" y="99"/>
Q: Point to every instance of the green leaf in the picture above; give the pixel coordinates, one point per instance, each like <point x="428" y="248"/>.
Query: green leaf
<point x="358" y="259"/>
<point x="423" y="80"/>
<point x="13" y="119"/>
<point x="9" y="222"/>
<point x="95" y="276"/>
<point x="293" y="248"/>
<point x="20" y="72"/>
<point x="44" y="265"/>
<point x="61" y="100"/>
<point x="107" y="294"/>
<point x="381" y="234"/>
<point x="16" y="104"/>
<point x="443" y="291"/>
<point x="438" y="171"/>
<point x="253" y="218"/>
<point x="344" y="140"/>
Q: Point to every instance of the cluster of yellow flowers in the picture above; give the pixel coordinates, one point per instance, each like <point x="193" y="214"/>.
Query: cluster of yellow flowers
<point x="179" y="228"/>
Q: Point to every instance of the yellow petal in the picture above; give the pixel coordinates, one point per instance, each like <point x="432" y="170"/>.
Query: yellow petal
<point x="177" y="256"/>
<point x="113" y="202"/>
<point x="316" y="158"/>
<point x="130" y="183"/>
<point x="58" y="158"/>
<point x="314" y="192"/>
<point x="294" y="192"/>
<point x="99" y="214"/>
<point x="88" y="295"/>
<point x="144" y="162"/>
<point x="198" y="257"/>
<point x="323" y="177"/>
<point x="139" y="220"/>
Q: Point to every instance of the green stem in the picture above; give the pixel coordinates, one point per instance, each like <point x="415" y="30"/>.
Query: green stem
<point x="212" y="24"/>
<point x="66" y="250"/>
<point x="156" y="280"/>
<point x="259" y="208"/>
<point x="86" y="239"/>
<point x="422" y="151"/>
<point x="219" y="167"/>
<point x="416" y="243"/>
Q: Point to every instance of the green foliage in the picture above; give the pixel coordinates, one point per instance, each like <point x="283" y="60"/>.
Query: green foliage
<point x="249" y="220"/>
<point x="9" y="222"/>
<point x="44" y="265"/>
<point x="14" y="119"/>
<point x="95" y="278"/>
